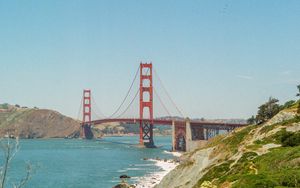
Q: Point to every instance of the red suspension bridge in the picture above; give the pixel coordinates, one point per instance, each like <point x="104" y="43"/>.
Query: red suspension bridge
<point x="183" y="130"/>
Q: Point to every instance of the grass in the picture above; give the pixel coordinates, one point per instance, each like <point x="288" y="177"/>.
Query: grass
<point x="274" y="169"/>
<point x="216" y="171"/>
<point x="237" y="138"/>
<point x="280" y="167"/>
<point x="289" y="122"/>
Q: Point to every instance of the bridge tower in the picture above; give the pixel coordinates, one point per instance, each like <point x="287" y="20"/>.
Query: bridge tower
<point x="87" y="115"/>
<point x="146" y="127"/>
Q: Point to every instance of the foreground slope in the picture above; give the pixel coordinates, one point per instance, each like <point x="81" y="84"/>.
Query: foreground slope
<point x="36" y="123"/>
<point x="265" y="155"/>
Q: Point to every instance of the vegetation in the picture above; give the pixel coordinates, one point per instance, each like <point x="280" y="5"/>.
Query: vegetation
<point x="267" y="110"/>
<point x="266" y="154"/>
<point x="278" y="167"/>
<point x="253" y="171"/>
<point x="233" y="142"/>
<point x="4" y="106"/>
<point x="288" y="122"/>
<point x="289" y="138"/>
<point x="288" y="104"/>
<point x="298" y="95"/>
<point x="251" y="120"/>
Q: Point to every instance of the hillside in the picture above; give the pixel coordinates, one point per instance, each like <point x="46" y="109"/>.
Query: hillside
<point x="36" y="123"/>
<point x="266" y="155"/>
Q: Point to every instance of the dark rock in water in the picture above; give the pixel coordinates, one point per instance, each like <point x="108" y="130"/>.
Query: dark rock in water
<point x="124" y="176"/>
<point x="124" y="185"/>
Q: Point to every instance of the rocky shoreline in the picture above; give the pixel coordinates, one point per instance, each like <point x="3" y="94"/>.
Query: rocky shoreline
<point x="153" y="179"/>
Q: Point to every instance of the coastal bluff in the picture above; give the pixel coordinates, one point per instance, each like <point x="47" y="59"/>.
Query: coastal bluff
<point x="260" y="155"/>
<point x="23" y="122"/>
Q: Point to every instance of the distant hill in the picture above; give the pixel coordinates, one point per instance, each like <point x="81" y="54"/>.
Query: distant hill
<point x="26" y="122"/>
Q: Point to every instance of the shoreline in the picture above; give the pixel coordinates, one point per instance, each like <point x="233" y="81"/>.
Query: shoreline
<point x="153" y="179"/>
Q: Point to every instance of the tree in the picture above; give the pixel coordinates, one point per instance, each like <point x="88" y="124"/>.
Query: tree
<point x="10" y="149"/>
<point x="267" y="110"/>
<point x="251" y="120"/>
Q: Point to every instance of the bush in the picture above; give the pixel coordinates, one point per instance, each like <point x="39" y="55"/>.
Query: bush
<point x="4" y="106"/>
<point x="287" y="139"/>
<point x="292" y="140"/>
<point x="288" y="104"/>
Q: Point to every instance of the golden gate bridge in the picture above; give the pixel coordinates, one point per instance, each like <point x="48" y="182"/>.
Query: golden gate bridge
<point x="183" y="130"/>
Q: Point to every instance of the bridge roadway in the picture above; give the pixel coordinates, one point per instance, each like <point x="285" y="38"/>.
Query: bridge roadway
<point x="204" y="124"/>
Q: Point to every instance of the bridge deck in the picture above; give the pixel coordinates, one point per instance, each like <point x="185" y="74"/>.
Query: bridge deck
<point x="169" y="122"/>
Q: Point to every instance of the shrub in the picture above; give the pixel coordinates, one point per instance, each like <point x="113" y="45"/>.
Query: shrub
<point x="4" y="106"/>
<point x="287" y="138"/>
<point x="292" y="140"/>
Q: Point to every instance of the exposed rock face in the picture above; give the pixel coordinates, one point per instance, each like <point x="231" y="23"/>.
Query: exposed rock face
<point x="281" y="116"/>
<point x="194" y="164"/>
<point x="35" y="123"/>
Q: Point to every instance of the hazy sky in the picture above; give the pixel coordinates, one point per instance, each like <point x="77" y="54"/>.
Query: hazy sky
<point x="218" y="59"/>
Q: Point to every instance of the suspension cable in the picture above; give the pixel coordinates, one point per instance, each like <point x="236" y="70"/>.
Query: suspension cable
<point x="80" y="107"/>
<point x="168" y="94"/>
<point x="129" y="104"/>
<point x="132" y="99"/>
<point x="161" y="101"/>
<point x="97" y="108"/>
<point x="127" y="94"/>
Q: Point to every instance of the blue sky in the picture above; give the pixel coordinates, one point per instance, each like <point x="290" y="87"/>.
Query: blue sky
<point x="218" y="59"/>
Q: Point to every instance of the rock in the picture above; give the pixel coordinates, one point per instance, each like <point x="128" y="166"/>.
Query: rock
<point x="281" y="116"/>
<point x="124" y="185"/>
<point x="124" y="176"/>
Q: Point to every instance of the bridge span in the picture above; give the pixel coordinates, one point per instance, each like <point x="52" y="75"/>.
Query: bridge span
<point x="186" y="134"/>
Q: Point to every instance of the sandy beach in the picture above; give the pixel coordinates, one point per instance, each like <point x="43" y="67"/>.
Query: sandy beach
<point x="151" y="180"/>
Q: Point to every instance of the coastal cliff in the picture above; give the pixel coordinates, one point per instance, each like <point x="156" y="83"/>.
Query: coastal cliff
<point x="265" y="155"/>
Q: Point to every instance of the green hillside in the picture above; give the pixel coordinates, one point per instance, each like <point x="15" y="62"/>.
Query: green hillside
<point x="264" y="155"/>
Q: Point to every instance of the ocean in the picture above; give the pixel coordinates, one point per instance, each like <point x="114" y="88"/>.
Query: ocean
<point x="76" y="163"/>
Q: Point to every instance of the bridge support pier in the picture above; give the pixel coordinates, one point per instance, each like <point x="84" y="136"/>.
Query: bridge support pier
<point x="87" y="131"/>
<point x="188" y="132"/>
<point x="173" y="136"/>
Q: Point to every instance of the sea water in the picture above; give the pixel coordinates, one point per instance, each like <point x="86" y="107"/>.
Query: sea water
<point x="75" y="163"/>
